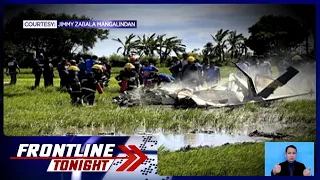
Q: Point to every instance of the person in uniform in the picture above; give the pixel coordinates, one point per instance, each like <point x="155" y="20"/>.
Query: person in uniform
<point x="129" y="79"/>
<point x="63" y="72"/>
<point x="37" y="69"/>
<point x="137" y="67"/>
<point x="48" y="73"/>
<point x="90" y="84"/>
<point x="12" y="68"/>
<point x="73" y="84"/>
<point x="191" y="73"/>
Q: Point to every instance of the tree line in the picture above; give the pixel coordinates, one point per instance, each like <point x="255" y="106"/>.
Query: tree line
<point x="269" y="35"/>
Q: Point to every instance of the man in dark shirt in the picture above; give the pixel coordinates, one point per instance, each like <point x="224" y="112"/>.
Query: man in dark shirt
<point x="12" y="70"/>
<point x="290" y="167"/>
<point x="48" y="72"/>
<point x="174" y="67"/>
<point x="63" y="72"/>
<point x="37" y="69"/>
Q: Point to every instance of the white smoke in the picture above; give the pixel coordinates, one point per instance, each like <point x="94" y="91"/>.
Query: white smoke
<point x="303" y="82"/>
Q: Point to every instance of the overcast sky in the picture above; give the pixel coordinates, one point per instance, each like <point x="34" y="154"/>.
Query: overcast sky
<point x="192" y="23"/>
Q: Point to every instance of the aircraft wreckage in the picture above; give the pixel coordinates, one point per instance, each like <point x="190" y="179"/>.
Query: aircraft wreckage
<point x="236" y="92"/>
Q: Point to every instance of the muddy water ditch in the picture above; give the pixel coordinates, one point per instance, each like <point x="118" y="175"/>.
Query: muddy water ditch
<point x="208" y="137"/>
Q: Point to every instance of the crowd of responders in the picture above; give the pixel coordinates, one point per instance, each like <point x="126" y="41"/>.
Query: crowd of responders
<point x="83" y="78"/>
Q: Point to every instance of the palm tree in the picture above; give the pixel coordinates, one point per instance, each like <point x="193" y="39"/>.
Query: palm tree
<point x="160" y="44"/>
<point x="235" y="42"/>
<point x="128" y="45"/>
<point x="176" y="46"/>
<point x="168" y="45"/>
<point x="147" y="45"/>
<point x="219" y="38"/>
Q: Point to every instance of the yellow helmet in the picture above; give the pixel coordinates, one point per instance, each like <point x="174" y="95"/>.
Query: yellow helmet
<point x="191" y="59"/>
<point x="296" y="58"/>
<point x="129" y="66"/>
<point x="97" y="67"/>
<point x="74" y="68"/>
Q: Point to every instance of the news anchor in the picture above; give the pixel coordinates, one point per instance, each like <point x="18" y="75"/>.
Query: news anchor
<point x="290" y="167"/>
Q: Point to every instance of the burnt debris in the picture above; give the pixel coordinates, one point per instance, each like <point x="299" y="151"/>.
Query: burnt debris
<point x="276" y="135"/>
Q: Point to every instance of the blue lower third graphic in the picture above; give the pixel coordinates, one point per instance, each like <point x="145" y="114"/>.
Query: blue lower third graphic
<point x="30" y="163"/>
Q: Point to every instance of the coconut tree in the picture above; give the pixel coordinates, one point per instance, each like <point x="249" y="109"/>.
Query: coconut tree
<point x="235" y="41"/>
<point x="147" y="44"/>
<point x="160" y="44"/>
<point x="167" y="45"/>
<point x="219" y="39"/>
<point x="128" y="45"/>
<point x="175" y="45"/>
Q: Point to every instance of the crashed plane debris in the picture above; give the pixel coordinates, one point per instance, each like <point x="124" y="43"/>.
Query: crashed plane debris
<point x="237" y="91"/>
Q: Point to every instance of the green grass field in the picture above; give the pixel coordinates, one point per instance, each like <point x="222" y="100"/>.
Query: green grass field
<point x="48" y="112"/>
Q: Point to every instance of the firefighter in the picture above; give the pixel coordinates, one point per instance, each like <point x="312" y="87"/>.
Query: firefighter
<point x="106" y="68"/>
<point x="90" y="84"/>
<point x="12" y="70"/>
<point x="104" y="76"/>
<point x="98" y="70"/>
<point x="129" y="79"/>
<point x="137" y="67"/>
<point x="73" y="84"/>
<point x="191" y="73"/>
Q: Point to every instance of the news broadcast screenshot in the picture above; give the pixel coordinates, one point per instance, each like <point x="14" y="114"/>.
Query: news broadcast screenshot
<point x="158" y="91"/>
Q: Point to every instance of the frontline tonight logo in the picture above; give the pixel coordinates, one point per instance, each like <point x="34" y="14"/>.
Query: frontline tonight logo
<point x="75" y="157"/>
